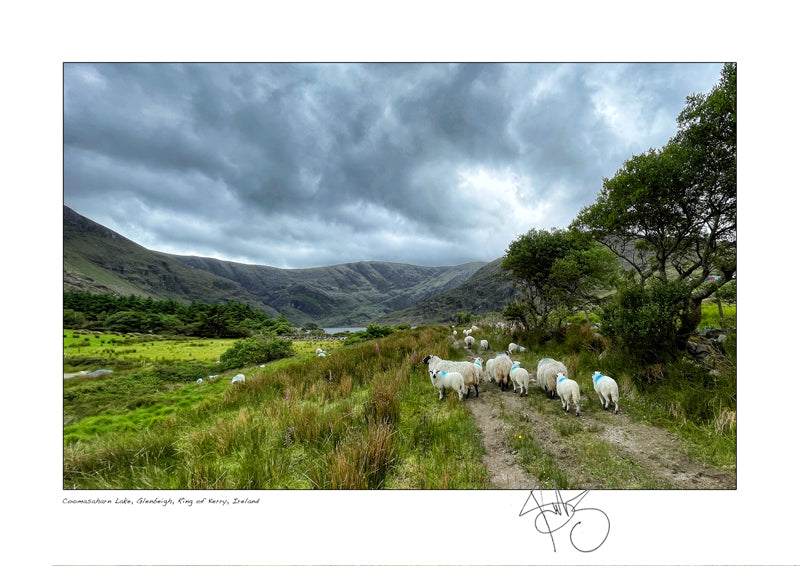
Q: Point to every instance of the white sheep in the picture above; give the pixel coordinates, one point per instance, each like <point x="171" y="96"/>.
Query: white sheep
<point x="519" y="376"/>
<point x="569" y="393"/>
<point x="547" y="374"/>
<point x="607" y="389"/>
<point x="469" y="341"/>
<point x="238" y="378"/>
<point x="442" y="380"/>
<point x="479" y="362"/>
<point x="470" y="371"/>
<point x="502" y="369"/>
<point x="484" y="344"/>
<point x="516" y="348"/>
<point x="490" y="369"/>
<point x="319" y="350"/>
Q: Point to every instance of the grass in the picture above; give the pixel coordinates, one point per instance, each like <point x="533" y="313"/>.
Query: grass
<point x="359" y="418"/>
<point x="149" y="348"/>
<point x="364" y="417"/>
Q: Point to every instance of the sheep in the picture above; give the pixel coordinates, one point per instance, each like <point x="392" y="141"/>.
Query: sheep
<point x="607" y="389"/>
<point x="442" y="380"/>
<point x="502" y="369"/>
<point x="490" y="369"/>
<point x="519" y="376"/>
<point x="479" y="363"/>
<point x="320" y="350"/>
<point x="238" y="378"/>
<point x="516" y="348"/>
<point x="470" y="371"/>
<point x="469" y="341"/>
<point x="546" y="374"/>
<point x="569" y="392"/>
<point x="484" y="344"/>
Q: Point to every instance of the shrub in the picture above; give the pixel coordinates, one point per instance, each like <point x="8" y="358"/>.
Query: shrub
<point x="645" y="320"/>
<point x="373" y="331"/>
<point x="255" y="350"/>
<point x="177" y="371"/>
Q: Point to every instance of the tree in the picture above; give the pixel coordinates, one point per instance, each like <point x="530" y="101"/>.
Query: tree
<point x="671" y="214"/>
<point x="559" y="271"/>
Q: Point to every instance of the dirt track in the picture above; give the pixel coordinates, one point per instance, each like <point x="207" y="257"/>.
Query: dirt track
<point x="657" y="451"/>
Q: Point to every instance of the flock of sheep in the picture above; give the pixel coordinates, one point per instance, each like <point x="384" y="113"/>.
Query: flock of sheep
<point x="551" y="375"/>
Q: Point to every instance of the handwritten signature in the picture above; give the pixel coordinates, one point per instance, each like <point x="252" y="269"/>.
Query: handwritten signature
<point x="586" y="535"/>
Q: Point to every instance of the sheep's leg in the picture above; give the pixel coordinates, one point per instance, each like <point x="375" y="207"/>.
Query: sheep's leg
<point x="476" y="390"/>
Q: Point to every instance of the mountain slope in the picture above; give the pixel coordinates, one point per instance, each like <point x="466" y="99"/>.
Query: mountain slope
<point x="100" y="260"/>
<point x="482" y="293"/>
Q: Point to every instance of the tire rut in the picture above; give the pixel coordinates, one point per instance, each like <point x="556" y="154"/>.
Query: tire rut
<point x="658" y="452"/>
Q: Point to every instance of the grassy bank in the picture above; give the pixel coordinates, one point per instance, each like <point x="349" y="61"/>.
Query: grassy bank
<point x="363" y="417"/>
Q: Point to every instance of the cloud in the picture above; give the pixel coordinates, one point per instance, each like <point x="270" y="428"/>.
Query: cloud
<point x="298" y="165"/>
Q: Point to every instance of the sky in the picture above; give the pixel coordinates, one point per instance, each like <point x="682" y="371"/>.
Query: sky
<point x="305" y="165"/>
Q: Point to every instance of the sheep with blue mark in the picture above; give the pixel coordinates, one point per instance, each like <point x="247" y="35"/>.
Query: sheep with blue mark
<point x="516" y="349"/>
<point x="442" y="380"/>
<point x="470" y="372"/>
<point x="569" y="393"/>
<point x="607" y="389"/>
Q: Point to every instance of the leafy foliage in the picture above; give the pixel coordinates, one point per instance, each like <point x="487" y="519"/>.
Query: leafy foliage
<point x="137" y="314"/>
<point x="670" y="214"/>
<point x="255" y="350"/>
<point x="645" y="320"/>
<point x="560" y="273"/>
<point x="373" y="331"/>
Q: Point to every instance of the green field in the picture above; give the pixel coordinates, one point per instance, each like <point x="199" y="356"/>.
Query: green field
<point x="149" y="348"/>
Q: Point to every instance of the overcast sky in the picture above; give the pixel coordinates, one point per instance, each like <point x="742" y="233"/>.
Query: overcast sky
<point x="305" y="165"/>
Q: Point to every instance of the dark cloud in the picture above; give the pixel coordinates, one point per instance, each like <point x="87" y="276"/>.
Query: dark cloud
<point x="298" y="165"/>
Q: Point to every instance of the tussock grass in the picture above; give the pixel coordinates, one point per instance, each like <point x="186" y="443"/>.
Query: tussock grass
<point x="364" y="417"/>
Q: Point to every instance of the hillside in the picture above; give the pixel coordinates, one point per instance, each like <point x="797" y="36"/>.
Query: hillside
<point x="99" y="260"/>
<point x="482" y="293"/>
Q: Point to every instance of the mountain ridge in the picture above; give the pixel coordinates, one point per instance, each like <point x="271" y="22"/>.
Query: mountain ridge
<point x="97" y="259"/>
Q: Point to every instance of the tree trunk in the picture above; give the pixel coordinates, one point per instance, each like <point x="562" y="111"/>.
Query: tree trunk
<point x="689" y="321"/>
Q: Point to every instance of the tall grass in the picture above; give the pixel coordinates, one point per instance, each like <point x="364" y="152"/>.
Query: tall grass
<point x="364" y="417"/>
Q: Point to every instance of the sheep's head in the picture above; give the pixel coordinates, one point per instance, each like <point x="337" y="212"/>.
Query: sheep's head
<point x="427" y="359"/>
<point x="433" y="373"/>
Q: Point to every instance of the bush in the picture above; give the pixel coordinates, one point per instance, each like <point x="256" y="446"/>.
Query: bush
<point x="177" y="372"/>
<point x="255" y="350"/>
<point x="373" y="331"/>
<point x="645" y="320"/>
